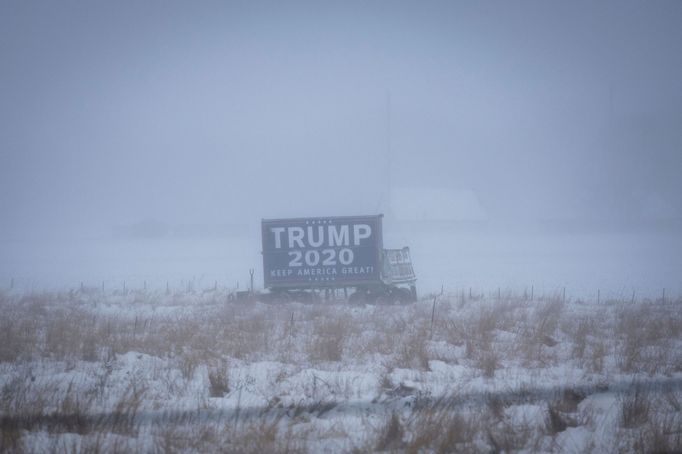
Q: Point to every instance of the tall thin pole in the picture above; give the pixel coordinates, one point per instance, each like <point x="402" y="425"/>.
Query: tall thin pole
<point x="388" y="150"/>
<point x="433" y="314"/>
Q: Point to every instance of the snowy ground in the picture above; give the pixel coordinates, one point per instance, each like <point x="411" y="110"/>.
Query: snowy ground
<point x="152" y="371"/>
<point x="584" y="263"/>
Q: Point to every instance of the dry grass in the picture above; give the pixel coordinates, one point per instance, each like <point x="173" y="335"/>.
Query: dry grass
<point x="51" y="326"/>
<point x="445" y="431"/>
<point x="390" y="437"/>
<point x="190" y="344"/>
<point x="428" y="430"/>
<point x="218" y="379"/>
<point x="635" y="408"/>
<point x="329" y="337"/>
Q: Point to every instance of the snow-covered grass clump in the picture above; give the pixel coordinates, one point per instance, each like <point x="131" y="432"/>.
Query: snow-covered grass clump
<point x="148" y="371"/>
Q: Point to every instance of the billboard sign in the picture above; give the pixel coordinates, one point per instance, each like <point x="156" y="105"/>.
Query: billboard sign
<point x="321" y="252"/>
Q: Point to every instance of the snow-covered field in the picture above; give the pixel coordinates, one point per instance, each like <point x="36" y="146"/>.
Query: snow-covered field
<point x="87" y="370"/>
<point x="616" y="264"/>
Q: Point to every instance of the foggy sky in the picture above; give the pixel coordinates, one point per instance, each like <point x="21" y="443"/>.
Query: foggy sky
<point x="218" y="112"/>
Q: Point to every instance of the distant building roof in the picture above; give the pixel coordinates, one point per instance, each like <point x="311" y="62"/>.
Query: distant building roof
<point x="436" y="204"/>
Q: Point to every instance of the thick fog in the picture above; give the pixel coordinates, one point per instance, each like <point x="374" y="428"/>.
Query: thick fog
<point x="146" y="140"/>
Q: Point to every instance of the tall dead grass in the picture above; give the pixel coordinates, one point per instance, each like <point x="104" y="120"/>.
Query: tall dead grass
<point x="195" y="342"/>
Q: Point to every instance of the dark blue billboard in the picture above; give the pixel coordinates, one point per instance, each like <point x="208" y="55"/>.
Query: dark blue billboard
<point x="322" y="252"/>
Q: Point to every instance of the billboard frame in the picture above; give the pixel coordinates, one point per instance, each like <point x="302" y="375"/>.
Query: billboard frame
<point x="276" y="284"/>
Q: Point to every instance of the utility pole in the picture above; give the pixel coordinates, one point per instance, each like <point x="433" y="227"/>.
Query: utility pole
<point x="388" y="152"/>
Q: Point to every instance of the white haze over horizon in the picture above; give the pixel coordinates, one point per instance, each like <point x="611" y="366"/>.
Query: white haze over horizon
<point x="508" y="143"/>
